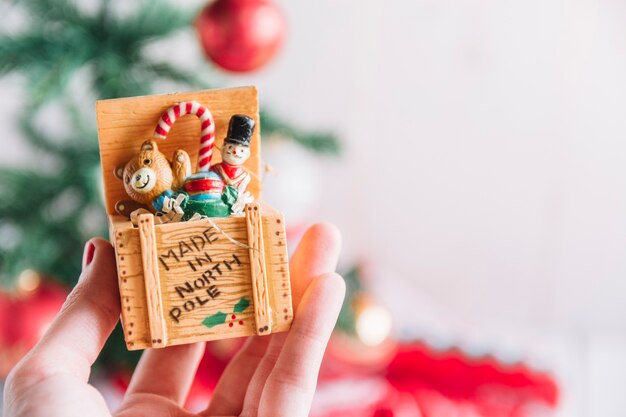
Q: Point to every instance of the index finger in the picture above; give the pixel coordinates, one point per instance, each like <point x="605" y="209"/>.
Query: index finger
<point x="291" y="384"/>
<point x="244" y="379"/>
<point x="317" y="254"/>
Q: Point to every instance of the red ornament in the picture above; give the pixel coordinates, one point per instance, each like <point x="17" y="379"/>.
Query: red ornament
<point x="241" y="35"/>
<point x="24" y="317"/>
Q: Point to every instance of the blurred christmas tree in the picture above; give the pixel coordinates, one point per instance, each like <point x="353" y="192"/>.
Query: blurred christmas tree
<point x="70" y="57"/>
<point x="71" y="53"/>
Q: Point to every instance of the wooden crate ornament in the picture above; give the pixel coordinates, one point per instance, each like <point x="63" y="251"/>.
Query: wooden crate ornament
<point x="206" y="278"/>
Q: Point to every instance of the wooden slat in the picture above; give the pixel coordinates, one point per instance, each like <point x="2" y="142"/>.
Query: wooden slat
<point x="154" y="301"/>
<point x="277" y="268"/>
<point x="258" y="274"/>
<point x="125" y="239"/>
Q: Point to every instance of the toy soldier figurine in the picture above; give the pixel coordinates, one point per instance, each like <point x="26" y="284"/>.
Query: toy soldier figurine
<point x="235" y="152"/>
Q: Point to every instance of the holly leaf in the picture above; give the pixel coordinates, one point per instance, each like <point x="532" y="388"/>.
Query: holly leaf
<point x="214" y="320"/>
<point x="241" y="305"/>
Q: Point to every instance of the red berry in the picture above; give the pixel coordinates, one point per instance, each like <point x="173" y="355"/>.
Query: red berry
<point x="230" y="324"/>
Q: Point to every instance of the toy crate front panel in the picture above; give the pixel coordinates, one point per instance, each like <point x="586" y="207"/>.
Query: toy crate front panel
<point x="205" y="280"/>
<point x="184" y="250"/>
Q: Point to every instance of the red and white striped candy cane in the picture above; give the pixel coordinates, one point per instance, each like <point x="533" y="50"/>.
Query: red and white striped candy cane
<point x="207" y="135"/>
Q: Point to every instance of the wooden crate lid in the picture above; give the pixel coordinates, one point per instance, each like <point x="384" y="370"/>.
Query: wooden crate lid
<point x="124" y="123"/>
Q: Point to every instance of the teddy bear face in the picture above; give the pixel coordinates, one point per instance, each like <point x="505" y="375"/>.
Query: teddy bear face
<point x="148" y="174"/>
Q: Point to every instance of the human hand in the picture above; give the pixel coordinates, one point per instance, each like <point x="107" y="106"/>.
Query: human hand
<point x="272" y="375"/>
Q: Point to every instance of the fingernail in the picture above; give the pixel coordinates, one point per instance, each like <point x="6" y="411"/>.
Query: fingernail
<point x="90" y="251"/>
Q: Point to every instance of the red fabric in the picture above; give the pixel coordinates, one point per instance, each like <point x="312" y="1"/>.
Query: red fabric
<point x="450" y="383"/>
<point x="231" y="170"/>
<point x="439" y="383"/>
<point x="417" y="367"/>
<point x="415" y="381"/>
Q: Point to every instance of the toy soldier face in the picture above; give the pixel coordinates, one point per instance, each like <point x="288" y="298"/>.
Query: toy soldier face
<point x="235" y="154"/>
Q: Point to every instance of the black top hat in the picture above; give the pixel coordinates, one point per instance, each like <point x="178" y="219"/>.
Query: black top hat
<point x="240" y="130"/>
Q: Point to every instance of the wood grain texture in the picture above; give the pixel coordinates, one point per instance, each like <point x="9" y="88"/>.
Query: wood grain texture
<point x="123" y="124"/>
<point x="125" y="240"/>
<point x="152" y="282"/>
<point x="226" y="275"/>
<point x="233" y="284"/>
<point x="258" y="276"/>
<point x="277" y="268"/>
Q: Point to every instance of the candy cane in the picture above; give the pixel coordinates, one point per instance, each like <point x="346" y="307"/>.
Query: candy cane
<point x="207" y="135"/>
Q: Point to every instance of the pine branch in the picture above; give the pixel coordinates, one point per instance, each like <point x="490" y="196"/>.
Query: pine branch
<point x="37" y="50"/>
<point x="45" y="217"/>
<point x="113" y="81"/>
<point x="324" y="143"/>
<point x="171" y="73"/>
<point x="28" y="190"/>
<point x="62" y="11"/>
<point x="47" y="212"/>
<point x="347" y="319"/>
<point x="50" y="82"/>
<point x="58" y="258"/>
<point x="81" y="147"/>
<point x="154" y="19"/>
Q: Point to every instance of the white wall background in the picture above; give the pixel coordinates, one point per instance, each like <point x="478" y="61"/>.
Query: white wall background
<point x="484" y="171"/>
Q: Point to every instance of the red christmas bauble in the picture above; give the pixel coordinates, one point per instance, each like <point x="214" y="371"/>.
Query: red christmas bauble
<point x="241" y="35"/>
<point x="24" y="317"/>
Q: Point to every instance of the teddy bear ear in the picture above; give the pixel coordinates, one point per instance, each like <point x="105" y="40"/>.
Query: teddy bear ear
<point x="119" y="171"/>
<point x="149" y="145"/>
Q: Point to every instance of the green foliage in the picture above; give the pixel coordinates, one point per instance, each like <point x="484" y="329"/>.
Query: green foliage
<point x="47" y="212"/>
<point x="63" y="40"/>
<point x="316" y="141"/>
<point x="354" y="286"/>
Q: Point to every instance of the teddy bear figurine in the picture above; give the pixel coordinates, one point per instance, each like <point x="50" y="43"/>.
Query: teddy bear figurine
<point x="151" y="180"/>
<point x="149" y="177"/>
